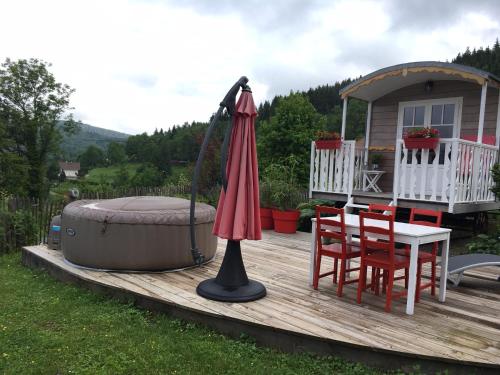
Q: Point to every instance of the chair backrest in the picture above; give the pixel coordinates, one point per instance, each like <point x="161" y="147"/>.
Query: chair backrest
<point x="382" y="208"/>
<point x="331" y="229"/>
<point x="377" y="235"/>
<point x="428" y="214"/>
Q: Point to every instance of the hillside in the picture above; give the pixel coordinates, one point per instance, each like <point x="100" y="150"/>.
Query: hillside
<point x="72" y="146"/>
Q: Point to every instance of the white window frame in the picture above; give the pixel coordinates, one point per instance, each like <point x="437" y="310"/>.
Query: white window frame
<point x="458" y="101"/>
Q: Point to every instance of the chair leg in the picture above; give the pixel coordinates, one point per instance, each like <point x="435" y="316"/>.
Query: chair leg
<point x="406" y="278"/>
<point x="341" y="277"/>
<point x="335" y="268"/>
<point x="372" y="284"/>
<point x="388" y="298"/>
<point x="433" y="278"/>
<point x="419" y="282"/>
<point x="317" y="268"/>
<point x="362" y="280"/>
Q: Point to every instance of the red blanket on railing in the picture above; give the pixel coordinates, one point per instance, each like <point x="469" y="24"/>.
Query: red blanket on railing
<point x="488" y="139"/>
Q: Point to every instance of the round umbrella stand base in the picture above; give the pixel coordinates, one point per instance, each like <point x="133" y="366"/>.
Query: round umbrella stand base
<point x="245" y="293"/>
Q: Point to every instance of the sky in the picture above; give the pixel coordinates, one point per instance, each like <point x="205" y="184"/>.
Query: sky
<point x="141" y="65"/>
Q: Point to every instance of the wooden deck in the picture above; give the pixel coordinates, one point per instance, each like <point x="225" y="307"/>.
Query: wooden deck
<point x="461" y="335"/>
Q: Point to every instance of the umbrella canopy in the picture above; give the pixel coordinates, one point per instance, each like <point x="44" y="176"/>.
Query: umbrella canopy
<point x="238" y="211"/>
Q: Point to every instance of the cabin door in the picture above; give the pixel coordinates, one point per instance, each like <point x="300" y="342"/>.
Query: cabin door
<point x="441" y="114"/>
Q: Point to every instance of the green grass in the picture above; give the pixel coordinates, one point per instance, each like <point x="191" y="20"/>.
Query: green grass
<point x="47" y="327"/>
<point x="107" y="174"/>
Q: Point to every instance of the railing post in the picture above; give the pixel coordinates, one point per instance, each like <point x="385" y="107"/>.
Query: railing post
<point x="397" y="162"/>
<point x="351" y="167"/>
<point x="453" y="174"/>
<point x="311" y="171"/>
<point x="475" y="171"/>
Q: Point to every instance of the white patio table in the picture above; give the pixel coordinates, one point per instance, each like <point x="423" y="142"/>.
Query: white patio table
<point x="411" y="234"/>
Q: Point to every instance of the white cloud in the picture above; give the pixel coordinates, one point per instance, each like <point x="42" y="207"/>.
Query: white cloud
<point x="141" y="65"/>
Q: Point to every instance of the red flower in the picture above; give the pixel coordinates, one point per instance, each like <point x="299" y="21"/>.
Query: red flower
<point x="422" y="133"/>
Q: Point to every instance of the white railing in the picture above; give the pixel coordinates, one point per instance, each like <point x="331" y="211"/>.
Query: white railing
<point x="332" y="171"/>
<point x="359" y="165"/>
<point x="456" y="171"/>
<point x="473" y="177"/>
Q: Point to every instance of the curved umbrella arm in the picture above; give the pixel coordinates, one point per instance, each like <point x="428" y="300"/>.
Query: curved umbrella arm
<point x="229" y="102"/>
<point x="223" y="157"/>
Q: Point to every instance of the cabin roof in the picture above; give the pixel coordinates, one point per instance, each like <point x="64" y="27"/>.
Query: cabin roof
<point x="69" y="166"/>
<point x="383" y="81"/>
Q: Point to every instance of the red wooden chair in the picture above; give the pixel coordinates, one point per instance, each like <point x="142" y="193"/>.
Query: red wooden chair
<point x="382" y="208"/>
<point x="433" y="219"/>
<point x="379" y="253"/>
<point x="339" y="250"/>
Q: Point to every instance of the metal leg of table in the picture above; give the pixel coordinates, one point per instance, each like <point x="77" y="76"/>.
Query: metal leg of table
<point x="412" y="282"/>
<point x="444" y="269"/>
<point x="312" y="254"/>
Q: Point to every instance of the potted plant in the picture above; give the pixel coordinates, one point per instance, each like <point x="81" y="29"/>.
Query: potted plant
<point x="266" y="216"/>
<point x="376" y="159"/>
<point x="285" y="195"/>
<point x="426" y="138"/>
<point x="327" y="140"/>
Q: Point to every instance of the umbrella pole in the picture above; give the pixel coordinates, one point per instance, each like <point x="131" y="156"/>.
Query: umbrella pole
<point x="232" y="283"/>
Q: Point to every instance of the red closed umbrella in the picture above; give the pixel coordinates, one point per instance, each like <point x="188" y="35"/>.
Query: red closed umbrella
<point x="238" y="215"/>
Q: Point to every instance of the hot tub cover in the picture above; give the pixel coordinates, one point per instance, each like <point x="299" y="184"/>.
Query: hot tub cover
<point x="143" y="210"/>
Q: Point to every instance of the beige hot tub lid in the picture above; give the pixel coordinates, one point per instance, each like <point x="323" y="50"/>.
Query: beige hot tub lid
<point x="141" y="210"/>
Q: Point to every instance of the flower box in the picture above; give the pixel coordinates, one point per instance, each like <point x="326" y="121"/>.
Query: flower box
<point x="421" y="143"/>
<point x="326" y="144"/>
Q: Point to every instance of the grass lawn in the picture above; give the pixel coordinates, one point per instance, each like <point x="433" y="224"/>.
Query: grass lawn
<point x="47" y="327"/>
<point x="107" y="174"/>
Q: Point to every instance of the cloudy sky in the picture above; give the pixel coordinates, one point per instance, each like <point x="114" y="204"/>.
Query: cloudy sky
<point x="140" y="65"/>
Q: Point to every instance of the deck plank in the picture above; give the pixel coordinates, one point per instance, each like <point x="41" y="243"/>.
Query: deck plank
<point x="465" y="328"/>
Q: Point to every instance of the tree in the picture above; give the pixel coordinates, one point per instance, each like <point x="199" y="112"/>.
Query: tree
<point x="290" y="132"/>
<point x="122" y="177"/>
<point x="116" y="153"/>
<point x="13" y="168"/>
<point x="92" y="157"/>
<point x="31" y="103"/>
<point x="147" y="175"/>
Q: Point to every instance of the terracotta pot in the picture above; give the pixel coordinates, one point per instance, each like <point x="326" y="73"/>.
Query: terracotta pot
<point x="286" y="221"/>
<point x="425" y="143"/>
<point x="326" y="144"/>
<point x="266" y="218"/>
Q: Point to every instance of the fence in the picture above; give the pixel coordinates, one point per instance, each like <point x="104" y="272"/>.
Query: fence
<point x="25" y="221"/>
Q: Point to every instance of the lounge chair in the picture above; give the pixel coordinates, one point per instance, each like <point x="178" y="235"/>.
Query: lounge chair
<point x="457" y="265"/>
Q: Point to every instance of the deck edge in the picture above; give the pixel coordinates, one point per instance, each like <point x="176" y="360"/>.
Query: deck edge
<point x="276" y="338"/>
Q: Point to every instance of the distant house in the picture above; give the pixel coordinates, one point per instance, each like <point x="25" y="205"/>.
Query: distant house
<point x="70" y="169"/>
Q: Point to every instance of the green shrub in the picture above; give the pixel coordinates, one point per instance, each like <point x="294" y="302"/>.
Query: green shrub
<point x="483" y="243"/>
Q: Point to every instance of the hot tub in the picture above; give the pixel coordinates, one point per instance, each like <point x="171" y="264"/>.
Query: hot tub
<point x="135" y="233"/>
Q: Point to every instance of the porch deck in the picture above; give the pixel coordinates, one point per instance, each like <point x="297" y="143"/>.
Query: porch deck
<point x="462" y="335"/>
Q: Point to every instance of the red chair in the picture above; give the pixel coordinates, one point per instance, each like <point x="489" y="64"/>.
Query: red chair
<point x="377" y="251"/>
<point x="382" y="208"/>
<point x="424" y="256"/>
<point x="339" y="250"/>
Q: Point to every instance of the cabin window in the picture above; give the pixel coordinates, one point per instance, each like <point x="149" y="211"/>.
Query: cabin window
<point x="440" y="114"/>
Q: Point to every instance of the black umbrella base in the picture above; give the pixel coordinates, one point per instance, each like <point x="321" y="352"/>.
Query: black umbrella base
<point x="246" y="293"/>
<point x="231" y="283"/>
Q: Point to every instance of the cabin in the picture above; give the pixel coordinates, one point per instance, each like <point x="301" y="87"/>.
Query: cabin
<point x="70" y="169"/>
<point x="454" y="176"/>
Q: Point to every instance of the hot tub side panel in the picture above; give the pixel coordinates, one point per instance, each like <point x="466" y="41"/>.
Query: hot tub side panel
<point x="151" y="247"/>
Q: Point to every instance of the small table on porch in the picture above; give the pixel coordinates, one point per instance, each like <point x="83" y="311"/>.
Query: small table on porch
<point x="411" y="234"/>
<point x="370" y="179"/>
